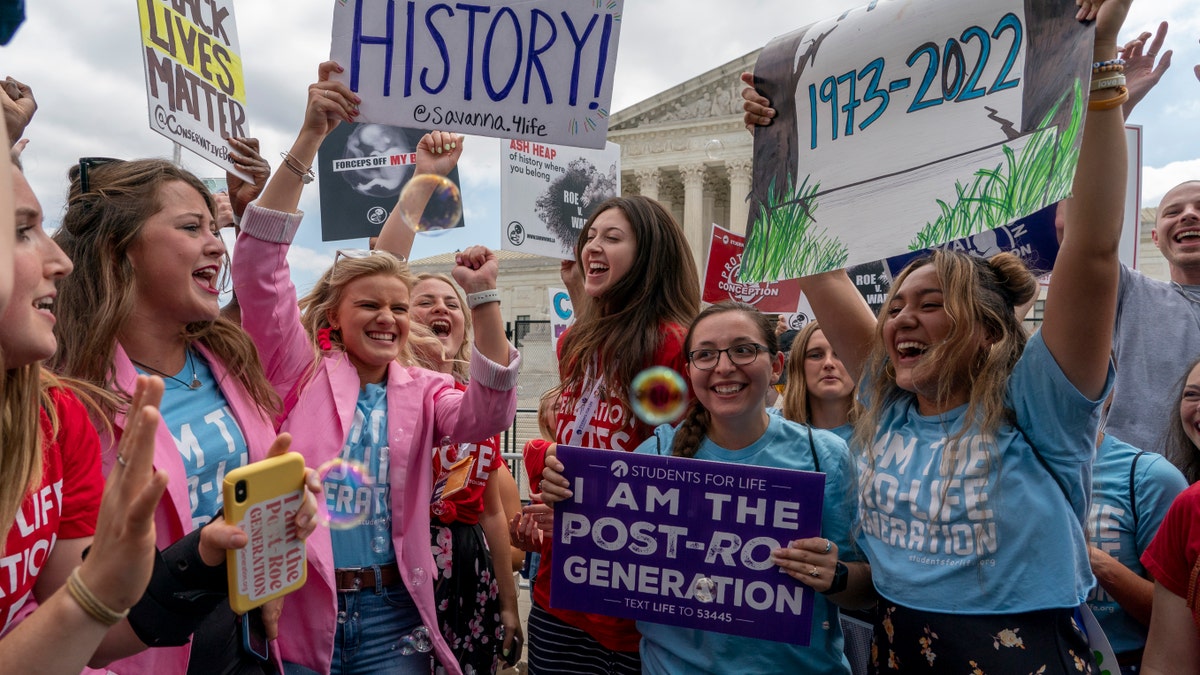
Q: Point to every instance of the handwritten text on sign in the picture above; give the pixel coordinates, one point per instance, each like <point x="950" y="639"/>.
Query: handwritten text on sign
<point x="684" y="542"/>
<point x="194" y="82"/>
<point x="903" y="126"/>
<point x="539" y="70"/>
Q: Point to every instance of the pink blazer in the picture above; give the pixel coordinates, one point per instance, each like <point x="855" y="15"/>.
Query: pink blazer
<point x="423" y="407"/>
<point x="173" y="519"/>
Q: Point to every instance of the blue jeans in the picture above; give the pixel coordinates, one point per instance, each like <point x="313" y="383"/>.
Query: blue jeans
<point x="374" y="625"/>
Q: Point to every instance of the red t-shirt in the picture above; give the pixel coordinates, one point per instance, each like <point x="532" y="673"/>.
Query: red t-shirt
<point x="613" y="426"/>
<point x="466" y="505"/>
<point x="65" y="505"/>
<point x="1175" y="550"/>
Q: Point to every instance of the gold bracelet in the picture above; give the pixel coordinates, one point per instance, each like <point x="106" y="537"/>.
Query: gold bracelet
<point x="90" y="604"/>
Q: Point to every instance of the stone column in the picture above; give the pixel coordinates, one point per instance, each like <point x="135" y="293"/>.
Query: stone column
<point x="693" y="209"/>
<point x="739" y="189"/>
<point x="647" y="182"/>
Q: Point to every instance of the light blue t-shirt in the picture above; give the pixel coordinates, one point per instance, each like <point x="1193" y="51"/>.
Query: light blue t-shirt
<point x="1156" y="483"/>
<point x="364" y="499"/>
<point x="843" y="432"/>
<point x="206" y="433"/>
<point x="673" y="649"/>
<point x="996" y="530"/>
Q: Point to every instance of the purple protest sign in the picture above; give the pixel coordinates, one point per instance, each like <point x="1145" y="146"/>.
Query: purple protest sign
<point x="684" y="542"/>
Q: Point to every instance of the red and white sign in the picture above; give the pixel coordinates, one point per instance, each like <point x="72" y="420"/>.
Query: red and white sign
<point x="721" y="278"/>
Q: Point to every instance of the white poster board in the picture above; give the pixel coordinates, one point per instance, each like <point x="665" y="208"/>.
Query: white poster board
<point x="539" y="70"/>
<point x="194" y="85"/>
<point x="547" y="193"/>
<point x="903" y="125"/>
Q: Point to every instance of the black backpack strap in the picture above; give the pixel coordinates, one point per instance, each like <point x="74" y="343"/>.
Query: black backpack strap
<point x="1132" y="495"/>
<point x="812" y="447"/>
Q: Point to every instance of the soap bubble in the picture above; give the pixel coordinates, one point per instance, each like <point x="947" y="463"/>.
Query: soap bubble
<point x="419" y="576"/>
<point x="342" y="477"/>
<point x="714" y="149"/>
<point x="416" y="641"/>
<point x="659" y="395"/>
<point x="429" y="203"/>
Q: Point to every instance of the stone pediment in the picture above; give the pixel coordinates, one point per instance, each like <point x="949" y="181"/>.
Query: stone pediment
<point x="715" y="94"/>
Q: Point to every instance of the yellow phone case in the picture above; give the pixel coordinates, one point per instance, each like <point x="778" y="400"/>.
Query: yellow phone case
<point x="262" y="499"/>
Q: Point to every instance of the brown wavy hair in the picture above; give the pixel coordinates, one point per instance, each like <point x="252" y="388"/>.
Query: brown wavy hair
<point x="1176" y="445"/>
<point x="623" y="330"/>
<point x="796" y="400"/>
<point x="694" y="427"/>
<point x="979" y="295"/>
<point x="97" y="298"/>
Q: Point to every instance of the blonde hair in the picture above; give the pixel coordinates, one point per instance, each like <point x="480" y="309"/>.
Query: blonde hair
<point x="462" y="358"/>
<point x="797" y="405"/>
<point x="327" y="294"/>
<point x="980" y="295"/>
<point x="97" y="299"/>
<point x="27" y="394"/>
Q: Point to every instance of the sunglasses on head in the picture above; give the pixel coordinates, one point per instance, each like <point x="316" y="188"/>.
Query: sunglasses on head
<point x="86" y="164"/>
<point x="355" y="253"/>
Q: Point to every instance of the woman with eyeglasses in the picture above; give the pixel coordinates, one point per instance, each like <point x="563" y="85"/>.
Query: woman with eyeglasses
<point x="143" y="300"/>
<point x="976" y="443"/>
<point x="369" y="605"/>
<point x="733" y="358"/>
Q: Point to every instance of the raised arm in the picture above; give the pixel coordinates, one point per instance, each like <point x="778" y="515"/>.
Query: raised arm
<point x="1081" y="303"/>
<point x="437" y="153"/>
<point x="329" y="104"/>
<point x="844" y="315"/>
<point x="62" y="634"/>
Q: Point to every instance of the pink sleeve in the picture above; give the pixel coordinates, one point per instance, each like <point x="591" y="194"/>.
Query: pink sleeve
<point x="263" y="283"/>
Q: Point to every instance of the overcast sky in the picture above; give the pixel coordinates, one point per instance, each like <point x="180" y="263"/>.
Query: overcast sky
<point x="84" y="62"/>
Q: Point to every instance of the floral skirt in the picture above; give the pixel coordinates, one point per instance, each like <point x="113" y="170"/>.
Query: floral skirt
<point x="468" y="600"/>
<point x="1044" y="642"/>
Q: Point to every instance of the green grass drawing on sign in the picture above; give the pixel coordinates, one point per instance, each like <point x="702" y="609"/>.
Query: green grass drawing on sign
<point x="1040" y="174"/>
<point x="784" y="243"/>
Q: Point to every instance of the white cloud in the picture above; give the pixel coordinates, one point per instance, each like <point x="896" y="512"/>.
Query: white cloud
<point x="1156" y="181"/>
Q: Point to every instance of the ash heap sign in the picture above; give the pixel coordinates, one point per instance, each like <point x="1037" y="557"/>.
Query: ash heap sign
<point x="684" y="542"/>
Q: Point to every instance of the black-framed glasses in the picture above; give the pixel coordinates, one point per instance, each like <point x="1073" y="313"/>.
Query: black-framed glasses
<point x="88" y="163"/>
<point x="739" y="355"/>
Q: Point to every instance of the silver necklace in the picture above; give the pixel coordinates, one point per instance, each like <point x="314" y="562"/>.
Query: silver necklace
<point x="1187" y="293"/>
<point x="196" y="383"/>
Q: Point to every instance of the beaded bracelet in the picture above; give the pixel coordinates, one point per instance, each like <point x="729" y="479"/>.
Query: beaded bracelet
<point x="1110" y="62"/>
<point x="1113" y="68"/>
<point x="306" y="174"/>
<point x="1109" y="103"/>
<point x="90" y="604"/>
<point x="1108" y="82"/>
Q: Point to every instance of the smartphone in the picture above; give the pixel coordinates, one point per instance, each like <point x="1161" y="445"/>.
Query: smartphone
<point x="514" y="652"/>
<point x="254" y="636"/>
<point x="262" y="499"/>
